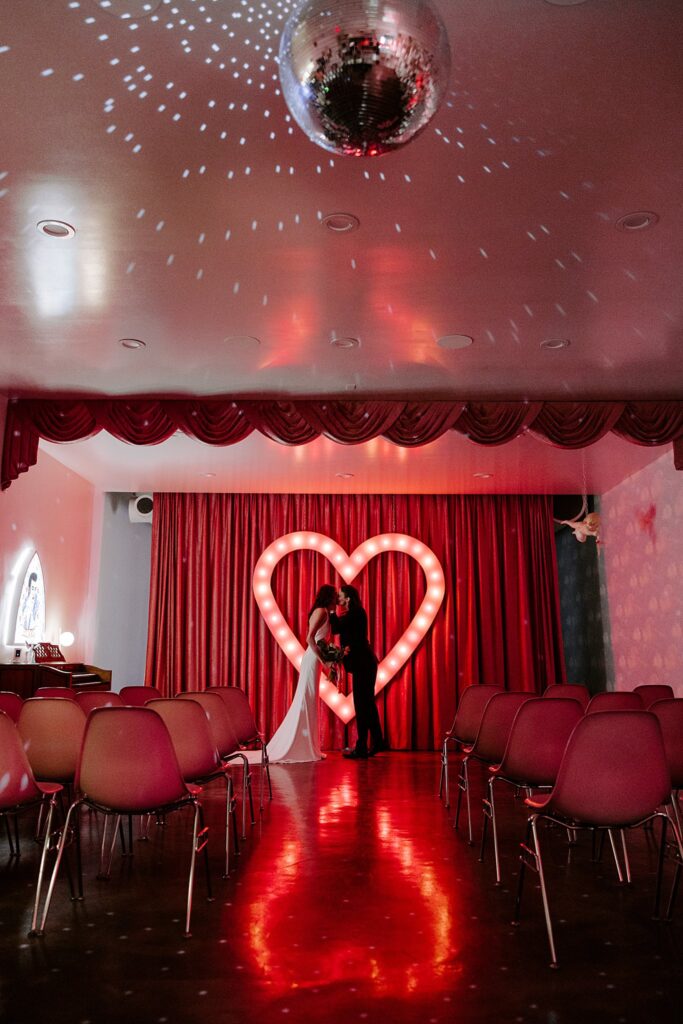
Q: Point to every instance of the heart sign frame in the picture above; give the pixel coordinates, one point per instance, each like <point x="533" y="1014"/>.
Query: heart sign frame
<point x="348" y="566"/>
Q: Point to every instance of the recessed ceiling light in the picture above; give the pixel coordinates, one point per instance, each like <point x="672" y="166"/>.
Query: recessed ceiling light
<point x="132" y="343"/>
<point x="345" y="342"/>
<point x="340" y="223"/>
<point x="454" y="341"/>
<point x="242" y="339"/>
<point x="555" y="343"/>
<point x="344" y="476"/>
<point x="565" y="3"/>
<point x="208" y="474"/>
<point x="56" y="228"/>
<point x="637" y="221"/>
<point x="482" y="476"/>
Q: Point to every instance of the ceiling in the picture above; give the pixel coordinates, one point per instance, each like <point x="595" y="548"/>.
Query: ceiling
<point x="198" y="202"/>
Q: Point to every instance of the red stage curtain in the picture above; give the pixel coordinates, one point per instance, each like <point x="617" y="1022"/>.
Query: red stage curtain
<point x="225" y="421"/>
<point x="499" y="622"/>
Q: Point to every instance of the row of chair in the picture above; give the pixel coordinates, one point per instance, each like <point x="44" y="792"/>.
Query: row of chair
<point x="605" y="771"/>
<point x="474" y="700"/>
<point x="117" y="760"/>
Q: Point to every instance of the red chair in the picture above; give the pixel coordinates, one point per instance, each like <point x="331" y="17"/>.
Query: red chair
<point x="128" y="766"/>
<point x="138" y="696"/>
<point x="52" y="730"/>
<point x="651" y="692"/>
<point x="565" y="690"/>
<point x="244" y="724"/>
<point x="227" y="744"/>
<point x="489" y="745"/>
<point x="98" y="699"/>
<point x="11" y="704"/>
<point x="537" y="741"/>
<point x="20" y="790"/>
<point x="615" y="700"/>
<point x="670" y="716"/>
<point x="465" y="726"/>
<point x="197" y="755"/>
<point x="601" y="785"/>
<point x="55" y="691"/>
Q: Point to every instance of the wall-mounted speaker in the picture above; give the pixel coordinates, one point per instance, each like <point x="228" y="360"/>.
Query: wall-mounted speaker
<point x="141" y="508"/>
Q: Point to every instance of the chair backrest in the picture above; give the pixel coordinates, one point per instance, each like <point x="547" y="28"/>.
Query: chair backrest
<point x="138" y="696"/>
<point x="470" y="709"/>
<point x="615" y="700"/>
<point x="17" y="783"/>
<point x="670" y="716"/>
<point x="11" y="704"/>
<point x="128" y="763"/>
<point x="651" y="692"/>
<point x="239" y="709"/>
<point x="98" y="699"/>
<point x="538" y="738"/>
<point x="191" y="734"/>
<point x="614" y="770"/>
<point x="224" y="735"/>
<point x="496" y="723"/>
<point x="564" y="690"/>
<point x="55" y="691"/>
<point x="51" y="730"/>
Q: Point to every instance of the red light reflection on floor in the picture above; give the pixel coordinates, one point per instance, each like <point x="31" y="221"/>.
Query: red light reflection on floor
<point x="348" y="891"/>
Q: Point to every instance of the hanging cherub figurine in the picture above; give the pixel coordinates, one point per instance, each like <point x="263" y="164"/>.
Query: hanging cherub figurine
<point x="588" y="527"/>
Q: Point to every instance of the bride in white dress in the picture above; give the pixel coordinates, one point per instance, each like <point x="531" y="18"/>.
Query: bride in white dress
<point x="297" y="738"/>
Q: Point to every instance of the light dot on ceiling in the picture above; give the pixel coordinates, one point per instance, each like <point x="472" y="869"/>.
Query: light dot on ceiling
<point x="128" y="10"/>
<point x="482" y="476"/>
<point x="56" y="228"/>
<point x="637" y="221"/>
<point x="340" y="223"/>
<point x="555" y="343"/>
<point x="344" y="476"/>
<point x="132" y="343"/>
<point x="455" y="341"/>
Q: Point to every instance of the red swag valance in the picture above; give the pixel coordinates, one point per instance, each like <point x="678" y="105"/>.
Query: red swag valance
<point x="225" y="421"/>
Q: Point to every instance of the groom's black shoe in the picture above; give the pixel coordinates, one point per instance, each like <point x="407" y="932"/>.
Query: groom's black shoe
<point x="377" y="748"/>
<point x="356" y="755"/>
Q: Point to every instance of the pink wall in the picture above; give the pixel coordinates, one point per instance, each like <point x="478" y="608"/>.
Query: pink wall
<point x="642" y="552"/>
<point x="50" y="510"/>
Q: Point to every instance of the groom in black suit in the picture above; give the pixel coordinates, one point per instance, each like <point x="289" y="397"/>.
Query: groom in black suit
<point x="361" y="662"/>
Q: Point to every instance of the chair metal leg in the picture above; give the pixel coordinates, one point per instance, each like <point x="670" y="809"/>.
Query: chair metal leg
<point x="443" y="777"/>
<point x="494" y="829"/>
<point x="41" y="870"/>
<point x="524" y="847"/>
<point x="544" y="893"/>
<point x="13" y="850"/>
<point x="624" y="850"/>
<point x="660" y="864"/>
<point x="199" y="841"/>
<point x="265" y="764"/>
<point x="58" y="860"/>
<point x="610" y="833"/>
<point x="229" y="815"/>
<point x="464" y="787"/>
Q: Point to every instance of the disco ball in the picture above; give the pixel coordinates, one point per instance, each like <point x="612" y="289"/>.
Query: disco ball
<point x="363" y="77"/>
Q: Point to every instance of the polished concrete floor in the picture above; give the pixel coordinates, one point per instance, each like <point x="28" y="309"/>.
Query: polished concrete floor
<point x="352" y="900"/>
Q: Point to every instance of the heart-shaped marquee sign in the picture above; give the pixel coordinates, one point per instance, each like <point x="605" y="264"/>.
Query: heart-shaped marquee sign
<point x="348" y="567"/>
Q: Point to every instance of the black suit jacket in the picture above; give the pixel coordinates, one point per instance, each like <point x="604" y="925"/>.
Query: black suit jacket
<point x="353" y="633"/>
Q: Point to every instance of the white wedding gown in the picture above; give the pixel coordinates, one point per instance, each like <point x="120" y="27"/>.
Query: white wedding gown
<point x="296" y="738"/>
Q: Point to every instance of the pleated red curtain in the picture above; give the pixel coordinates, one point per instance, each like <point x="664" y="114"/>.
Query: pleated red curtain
<point x="499" y="621"/>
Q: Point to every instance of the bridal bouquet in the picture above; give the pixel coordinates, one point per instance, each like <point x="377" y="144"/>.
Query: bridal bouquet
<point x="332" y="656"/>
